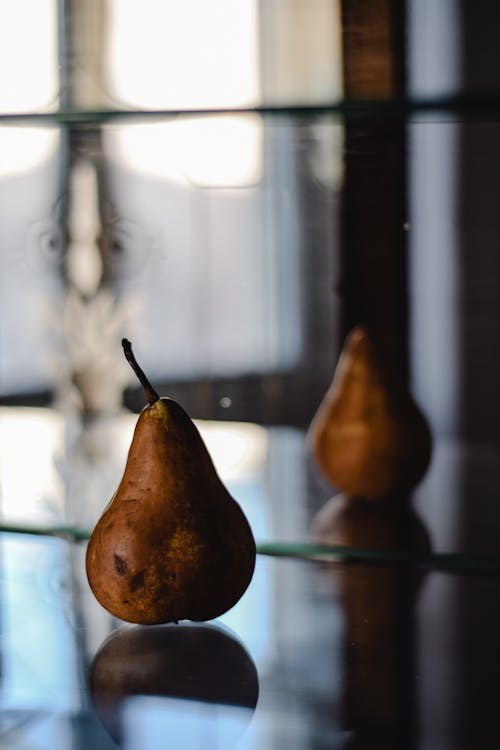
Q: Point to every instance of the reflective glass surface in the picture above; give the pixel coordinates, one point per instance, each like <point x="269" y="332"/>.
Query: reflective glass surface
<point x="315" y="655"/>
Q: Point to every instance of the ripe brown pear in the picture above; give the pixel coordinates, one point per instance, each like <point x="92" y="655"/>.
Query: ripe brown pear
<point x="368" y="437"/>
<point x="172" y="544"/>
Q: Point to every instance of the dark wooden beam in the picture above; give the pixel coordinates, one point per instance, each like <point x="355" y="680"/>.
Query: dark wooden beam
<point x="373" y="214"/>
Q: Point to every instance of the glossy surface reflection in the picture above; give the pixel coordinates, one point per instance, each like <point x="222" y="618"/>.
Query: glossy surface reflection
<point x="185" y="665"/>
<point x="377" y="603"/>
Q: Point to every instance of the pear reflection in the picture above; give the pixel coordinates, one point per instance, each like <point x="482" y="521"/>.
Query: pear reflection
<point x="192" y="665"/>
<point x="377" y="602"/>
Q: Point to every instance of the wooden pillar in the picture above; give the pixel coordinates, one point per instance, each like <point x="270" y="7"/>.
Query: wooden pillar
<point x="373" y="216"/>
<point x="377" y="604"/>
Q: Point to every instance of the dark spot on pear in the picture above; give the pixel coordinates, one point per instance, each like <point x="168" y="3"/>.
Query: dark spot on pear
<point x="137" y="581"/>
<point x="120" y="565"/>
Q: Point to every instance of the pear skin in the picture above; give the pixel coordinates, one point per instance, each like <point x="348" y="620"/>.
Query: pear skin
<point x="368" y="438"/>
<point x="172" y="544"/>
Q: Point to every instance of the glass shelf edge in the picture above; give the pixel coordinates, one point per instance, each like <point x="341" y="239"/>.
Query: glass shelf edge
<point x="433" y="561"/>
<point x="470" y="105"/>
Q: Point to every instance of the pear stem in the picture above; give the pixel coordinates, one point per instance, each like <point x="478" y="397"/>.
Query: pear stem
<point x="151" y="394"/>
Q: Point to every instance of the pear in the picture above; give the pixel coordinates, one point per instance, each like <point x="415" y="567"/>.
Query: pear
<point x="368" y="436"/>
<point x="172" y="544"/>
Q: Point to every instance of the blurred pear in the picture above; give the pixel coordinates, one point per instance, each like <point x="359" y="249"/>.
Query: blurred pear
<point x="368" y="437"/>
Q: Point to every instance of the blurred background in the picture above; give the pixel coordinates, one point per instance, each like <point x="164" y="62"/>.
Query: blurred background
<point x="233" y="186"/>
<point x="207" y="240"/>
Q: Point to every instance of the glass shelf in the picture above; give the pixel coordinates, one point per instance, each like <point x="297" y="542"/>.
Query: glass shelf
<point x="437" y="561"/>
<point x="459" y="107"/>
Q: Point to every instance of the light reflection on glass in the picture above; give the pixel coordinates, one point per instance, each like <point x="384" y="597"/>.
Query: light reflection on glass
<point x="36" y="609"/>
<point x="39" y="685"/>
<point x="187" y="724"/>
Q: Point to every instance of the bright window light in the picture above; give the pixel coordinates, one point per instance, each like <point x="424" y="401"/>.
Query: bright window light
<point x="36" y="436"/>
<point x="238" y="449"/>
<point x="23" y="149"/>
<point x="28" y="59"/>
<point x="28" y="55"/>
<point x="164" y="54"/>
<point x="31" y="489"/>
<point x="206" y="152"/>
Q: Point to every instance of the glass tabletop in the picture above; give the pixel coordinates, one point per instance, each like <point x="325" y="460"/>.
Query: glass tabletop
<point x="314" y="655"/>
